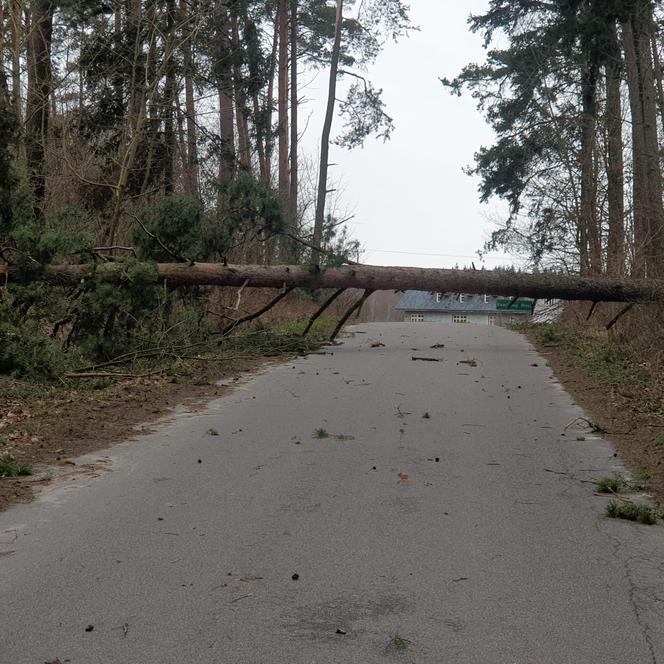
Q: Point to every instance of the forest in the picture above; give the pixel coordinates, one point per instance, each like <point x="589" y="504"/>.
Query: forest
<point x="140" y="133"/>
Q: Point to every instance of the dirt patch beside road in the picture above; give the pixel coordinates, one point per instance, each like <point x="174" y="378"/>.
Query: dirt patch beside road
<point x="46" y="427"/>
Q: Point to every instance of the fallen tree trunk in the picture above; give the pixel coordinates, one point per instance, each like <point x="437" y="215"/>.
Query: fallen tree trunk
<point x="370" y="277"/>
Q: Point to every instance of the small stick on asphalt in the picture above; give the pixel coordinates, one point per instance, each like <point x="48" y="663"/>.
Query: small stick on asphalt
<point x="320" y="311"/>
<point x="237" y="599"/>
<point x="349" y="313"/>
<point x="619" y="315"/>
<point x="592" y="310"/>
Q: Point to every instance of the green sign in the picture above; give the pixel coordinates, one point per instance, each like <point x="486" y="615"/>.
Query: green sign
<point x="519" y="305"/>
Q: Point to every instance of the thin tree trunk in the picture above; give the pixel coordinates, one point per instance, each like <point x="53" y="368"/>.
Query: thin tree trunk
<point x="294" y="184"/>
<point x="244" y="149"/>
<point x="117" y="76"/>
<point x="615" y="258"/>
<point x="191" y="178"/>
<point x="147" y="129"/>
<point x="269" y="103"/>
<point x="325" y="138"/>
<point x="225" y="94"/>
<point x="169" y="99"/>
<point x="38" y="100"/>
<point x="284" y="182"/>
<point x="16" y="11"/>
<point x="181" y="140"/>
<point x="591" y="241"/>
<point x="639" y="170"/>
<point x="260" y="137"/>
<point x="658" y="78"/>
<point x="135" y="44"/>
<point x="7" y="101"/>
<point x="655" y="253"/>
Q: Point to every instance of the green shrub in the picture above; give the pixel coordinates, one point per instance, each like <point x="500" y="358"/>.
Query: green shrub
<point x="632" y="512"/>
<point x="10" y="467"/>
<point x="175" y="222"/>
<point x="26" y="352"/>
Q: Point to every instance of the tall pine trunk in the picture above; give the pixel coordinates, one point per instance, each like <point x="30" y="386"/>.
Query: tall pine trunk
<point x="647" y="185"/>
<point x="269" y="103"/>
<point x="658" y="77"/>
<point x="15" y="13"/>
<point x="241" y="120"/>
<point x="284" y="180"/>
<point x="169" y="101"/>
<point x="191" y="175"/>
<point x="615" y="253"/>
<point x="655" y="253"/>
<point x="38" y="99"/>
<point x="225" y="93"/>
<point x="294" y="176"/>
<point x="325" y="138"/>
<point x="590" y="233"/>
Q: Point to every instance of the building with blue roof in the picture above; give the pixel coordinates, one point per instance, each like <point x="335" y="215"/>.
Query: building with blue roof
<point x="425" y="306"/>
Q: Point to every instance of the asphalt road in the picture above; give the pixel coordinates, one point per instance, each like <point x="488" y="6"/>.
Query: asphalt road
<point x="444" y="520"/>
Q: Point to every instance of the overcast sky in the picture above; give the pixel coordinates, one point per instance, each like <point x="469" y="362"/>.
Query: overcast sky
<point x="409" y="194"/>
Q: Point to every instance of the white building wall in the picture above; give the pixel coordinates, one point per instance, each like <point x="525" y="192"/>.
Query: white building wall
<point x="479" y="318"/>
<point x="444" y="317"/>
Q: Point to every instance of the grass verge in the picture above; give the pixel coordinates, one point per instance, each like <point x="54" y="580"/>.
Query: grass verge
<point x="620" y="385"/>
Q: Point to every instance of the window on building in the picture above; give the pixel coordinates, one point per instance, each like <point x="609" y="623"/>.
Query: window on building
<point x="439" y="297"/>
<point x="492" y="319"/>
<point x="417" y="318"/>
<point x="459" y="318"/>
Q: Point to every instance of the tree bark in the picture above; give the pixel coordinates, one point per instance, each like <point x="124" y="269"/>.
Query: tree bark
<point x="284" y="180"/>
<point x="244" y="149"/>
<point x="169" y="101"/>
<point x="135" y="53"/>
<point x="615" y="253"/>
<point x="325" y="138"/>
<point x="269" y="104"/>
<point x="191" y="176"/>
<point x="647" y="184"/>
<point x="39" y="90"/>
<point x="590" y="233"/>
<point x="658" y="77"/>
<point x="293" y="109"/>
<point x="655" y="254"/>
<point x="491" y="282"/>
<point x="16" y="11"/>
<point x="225" y="93"/>
<point x="639" y="185"/>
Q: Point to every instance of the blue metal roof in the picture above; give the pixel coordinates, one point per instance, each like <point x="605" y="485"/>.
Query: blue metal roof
<point x="426" y="301"/>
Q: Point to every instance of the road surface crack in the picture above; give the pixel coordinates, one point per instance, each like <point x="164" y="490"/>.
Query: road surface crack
<point x="633" y="591"/>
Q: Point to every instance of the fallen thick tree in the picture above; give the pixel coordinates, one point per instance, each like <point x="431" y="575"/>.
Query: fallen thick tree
<point x="371" y="278"/>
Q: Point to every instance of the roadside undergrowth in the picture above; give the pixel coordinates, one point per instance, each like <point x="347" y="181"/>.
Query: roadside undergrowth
<point x="86" y="408"/>
<point x="618" y="379"/>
